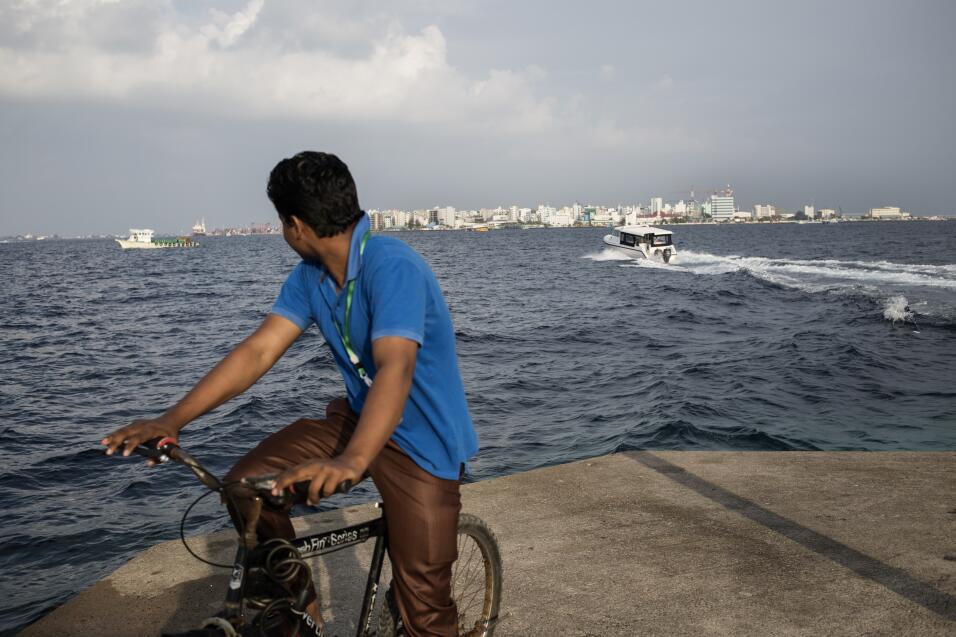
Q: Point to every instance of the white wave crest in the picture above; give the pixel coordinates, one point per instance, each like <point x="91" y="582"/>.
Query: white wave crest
<point x="897" y="309"/>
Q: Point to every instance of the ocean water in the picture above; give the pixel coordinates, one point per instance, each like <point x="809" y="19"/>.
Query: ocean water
<point x="839" y="336"/>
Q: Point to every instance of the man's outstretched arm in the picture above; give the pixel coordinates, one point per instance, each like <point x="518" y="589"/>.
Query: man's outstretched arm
<point x="395" y="359"/>
<point x="234" y="374"/>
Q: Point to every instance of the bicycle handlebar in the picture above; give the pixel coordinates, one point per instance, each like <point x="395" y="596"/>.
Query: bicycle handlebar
<point x="163" y="449"/>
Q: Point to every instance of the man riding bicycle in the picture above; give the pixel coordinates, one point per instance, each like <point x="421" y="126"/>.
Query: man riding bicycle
<point x="404" y="421"/>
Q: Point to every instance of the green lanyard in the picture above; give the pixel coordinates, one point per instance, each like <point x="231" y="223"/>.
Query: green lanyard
<point x="344" y="333"/>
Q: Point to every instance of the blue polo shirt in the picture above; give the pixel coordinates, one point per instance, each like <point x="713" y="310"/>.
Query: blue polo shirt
<point x="396" y="294"/>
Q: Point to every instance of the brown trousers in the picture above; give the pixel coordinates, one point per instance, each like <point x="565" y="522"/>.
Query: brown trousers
<point x="421" y="511"/>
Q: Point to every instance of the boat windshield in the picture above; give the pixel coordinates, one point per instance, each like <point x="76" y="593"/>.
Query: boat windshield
<point x="661" y="240"/>
<point x="628" y="239"/>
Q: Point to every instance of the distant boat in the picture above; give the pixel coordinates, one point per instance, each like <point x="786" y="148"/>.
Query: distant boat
<point x="199" y="230"/>
<point x="642" y="242"/>
<point x="143" y="238"/>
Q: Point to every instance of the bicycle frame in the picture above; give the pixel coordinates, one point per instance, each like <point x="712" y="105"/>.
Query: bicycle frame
<point x="316" y="545"/>
<point x="308" y="546"/>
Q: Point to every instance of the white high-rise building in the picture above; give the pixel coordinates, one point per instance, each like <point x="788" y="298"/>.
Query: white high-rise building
<point x="657" y="205"/>
<point x="403" y="218"/>
<point x="546" y="214"/>
<point x="722" y="205"/>
<point x="764" y="211"/>
<point x="446" y="216"/>
<point x="809" y="212"/>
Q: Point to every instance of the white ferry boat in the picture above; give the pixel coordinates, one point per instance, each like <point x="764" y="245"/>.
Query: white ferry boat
<point x="642" y="242"/>
<point x="143" y="238"/>
<point x="199" y="230"/>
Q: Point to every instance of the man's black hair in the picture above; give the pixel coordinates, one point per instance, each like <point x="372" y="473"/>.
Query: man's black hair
<point x="318" y="189"/>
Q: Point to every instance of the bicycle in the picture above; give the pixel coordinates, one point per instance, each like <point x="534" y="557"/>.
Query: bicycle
<point x="273" y="577"/>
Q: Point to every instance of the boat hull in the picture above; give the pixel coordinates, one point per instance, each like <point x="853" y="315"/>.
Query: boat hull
<point x="129" y="245"/>
<point x="640" y="251"/>
<point x="152" y="245"/>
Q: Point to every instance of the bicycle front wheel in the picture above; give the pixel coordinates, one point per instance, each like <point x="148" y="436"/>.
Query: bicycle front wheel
<point x="476" y="580"/>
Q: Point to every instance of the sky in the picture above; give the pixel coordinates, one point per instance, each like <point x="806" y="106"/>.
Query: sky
<point x="154" y="113"/>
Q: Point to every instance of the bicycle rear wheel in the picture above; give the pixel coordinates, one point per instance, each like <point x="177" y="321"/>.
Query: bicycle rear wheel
<point x="476" y="582"/>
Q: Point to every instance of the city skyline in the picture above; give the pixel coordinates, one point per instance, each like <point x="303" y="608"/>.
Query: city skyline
<point x="122" y="114"/>
<point x="656" y="209"/>
<point x="670" y="209"/>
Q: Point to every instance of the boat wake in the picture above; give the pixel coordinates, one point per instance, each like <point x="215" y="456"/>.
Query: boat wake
<point x="887" y="283"/>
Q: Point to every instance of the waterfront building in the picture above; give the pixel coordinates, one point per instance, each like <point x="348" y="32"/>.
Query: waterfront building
<point x="546" y="214"/>
<point x="705" y="209"/>
<point x="764" y="211"/>
<point x="403" y="218"/>
<point x="808" y="212"/>
<point x="826" y="213"/>
<point x="446" y="216"/>
<point x="722" y="205"/>
<point x="888" y="212"/>
<point x="604" y="216"/>
<point x="564" y="217"/>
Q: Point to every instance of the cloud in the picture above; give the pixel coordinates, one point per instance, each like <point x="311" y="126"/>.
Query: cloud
<point x="253" y="63"/>
<point x="664" y="85"/>
<point x="227" y="29"/>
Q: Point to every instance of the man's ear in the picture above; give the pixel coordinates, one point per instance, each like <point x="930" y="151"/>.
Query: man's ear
<point x="298" y="226"/>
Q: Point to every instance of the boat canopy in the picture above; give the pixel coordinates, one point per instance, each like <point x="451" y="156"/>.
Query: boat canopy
<point x="642" y="230"/>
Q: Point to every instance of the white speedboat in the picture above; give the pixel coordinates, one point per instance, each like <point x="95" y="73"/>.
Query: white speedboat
<point x="642" y="242"/>
<point x="143" y="238"/>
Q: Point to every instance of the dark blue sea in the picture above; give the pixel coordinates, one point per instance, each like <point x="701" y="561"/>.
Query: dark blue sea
<point x="789" y="337"/>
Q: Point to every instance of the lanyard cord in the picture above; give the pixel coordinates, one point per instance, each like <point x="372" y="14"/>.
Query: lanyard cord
<point x="344" y="332"/>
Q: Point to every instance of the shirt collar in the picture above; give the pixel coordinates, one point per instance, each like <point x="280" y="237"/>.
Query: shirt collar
<point x="355" y="258"/>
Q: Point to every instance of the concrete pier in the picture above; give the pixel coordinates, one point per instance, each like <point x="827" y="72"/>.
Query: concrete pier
<point x="650" y="543"/>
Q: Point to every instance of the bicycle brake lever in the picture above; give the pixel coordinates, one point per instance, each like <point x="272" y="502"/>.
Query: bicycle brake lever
<point x="157" y="449"/>
<point x="149" y="452"/>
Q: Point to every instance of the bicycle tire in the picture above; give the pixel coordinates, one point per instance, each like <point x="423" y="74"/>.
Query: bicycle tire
<point x="482" y="561"/>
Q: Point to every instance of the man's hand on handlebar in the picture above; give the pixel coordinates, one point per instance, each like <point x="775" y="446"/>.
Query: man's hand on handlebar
<point x="325" y="476"/>
<point x="126" y="438"/>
